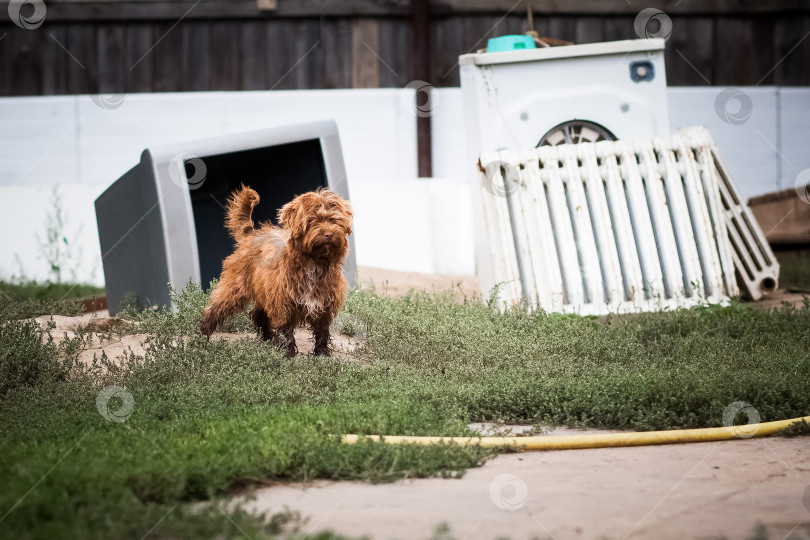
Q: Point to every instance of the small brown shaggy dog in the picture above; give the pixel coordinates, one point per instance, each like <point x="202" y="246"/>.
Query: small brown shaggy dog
<point x="292" y="274"/>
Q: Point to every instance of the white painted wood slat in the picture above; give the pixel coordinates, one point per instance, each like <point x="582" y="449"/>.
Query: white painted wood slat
<point x="621" y="226"/>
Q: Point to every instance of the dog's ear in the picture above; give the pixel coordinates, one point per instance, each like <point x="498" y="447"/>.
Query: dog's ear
<point x="346" y="208"/>
<point x="291" y="216"/>
<point x="340" y="209"/>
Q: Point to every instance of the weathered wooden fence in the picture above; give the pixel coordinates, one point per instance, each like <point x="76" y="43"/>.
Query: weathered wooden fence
<point x="134" y="46"/>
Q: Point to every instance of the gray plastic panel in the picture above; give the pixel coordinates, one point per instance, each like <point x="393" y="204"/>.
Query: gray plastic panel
<point x="131" y="236"/>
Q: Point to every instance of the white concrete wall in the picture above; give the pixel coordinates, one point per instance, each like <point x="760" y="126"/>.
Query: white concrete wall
<point x="417" y="225"/>
<point x="402" y="222"/>
<point x="23" y="211"/>
<point x="747" y="148"/>
<point x="794" y="134"/>
<point x="82" y="147"/>
<point x="71" y="139"/>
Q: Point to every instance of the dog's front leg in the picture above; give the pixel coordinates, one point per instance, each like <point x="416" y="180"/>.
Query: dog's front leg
<point x="320" y="331"/>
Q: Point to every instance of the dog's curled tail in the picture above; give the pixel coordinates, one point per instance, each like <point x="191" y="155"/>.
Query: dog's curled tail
<point x="240" y="212"/>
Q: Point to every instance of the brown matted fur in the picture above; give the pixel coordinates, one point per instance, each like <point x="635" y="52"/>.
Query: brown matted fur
<point x="292" y="274"/>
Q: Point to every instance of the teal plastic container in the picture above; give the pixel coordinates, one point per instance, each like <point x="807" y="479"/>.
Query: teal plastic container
<point x="512" y="42"/>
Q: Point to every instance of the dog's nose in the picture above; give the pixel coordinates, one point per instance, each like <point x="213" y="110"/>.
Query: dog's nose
<point x="327" y="235"/>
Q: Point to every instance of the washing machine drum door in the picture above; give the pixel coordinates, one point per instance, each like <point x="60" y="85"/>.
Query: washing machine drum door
<point x="574" y="132"/>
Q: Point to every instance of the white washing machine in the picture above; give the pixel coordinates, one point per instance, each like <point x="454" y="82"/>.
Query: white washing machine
<point x="569" y="94"/>
<point x="557" y="95"/>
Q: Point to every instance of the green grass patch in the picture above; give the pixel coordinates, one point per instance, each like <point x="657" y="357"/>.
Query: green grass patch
<point x="49" y="291"/>
<point x="209" y="418"/>
<point x="794" y="269"/>
<point x="30" y="299"/>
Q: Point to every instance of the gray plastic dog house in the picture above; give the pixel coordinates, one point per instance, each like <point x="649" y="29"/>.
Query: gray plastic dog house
<point x="162" y="222"/>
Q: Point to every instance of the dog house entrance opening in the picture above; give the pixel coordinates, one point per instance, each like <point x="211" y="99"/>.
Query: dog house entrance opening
<point x="277" y="173"/>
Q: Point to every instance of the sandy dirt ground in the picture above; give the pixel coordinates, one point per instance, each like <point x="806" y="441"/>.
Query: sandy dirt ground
<point x="385" y="281"/>
<point x="116" y="347"/>
<point x="707" y="490"/>
<point x="780" y="296"/>
<point x="399" y="283"/>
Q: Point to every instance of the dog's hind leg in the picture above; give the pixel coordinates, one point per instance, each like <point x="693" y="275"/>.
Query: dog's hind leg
<point x="223" y="304"/>
<point x="262" y="322"/>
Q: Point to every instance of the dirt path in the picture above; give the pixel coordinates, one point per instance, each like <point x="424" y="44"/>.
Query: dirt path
<point x="705" y="490"/>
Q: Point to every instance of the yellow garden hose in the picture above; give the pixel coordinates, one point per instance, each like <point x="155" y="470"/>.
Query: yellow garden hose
<point x="570" y="442"/>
